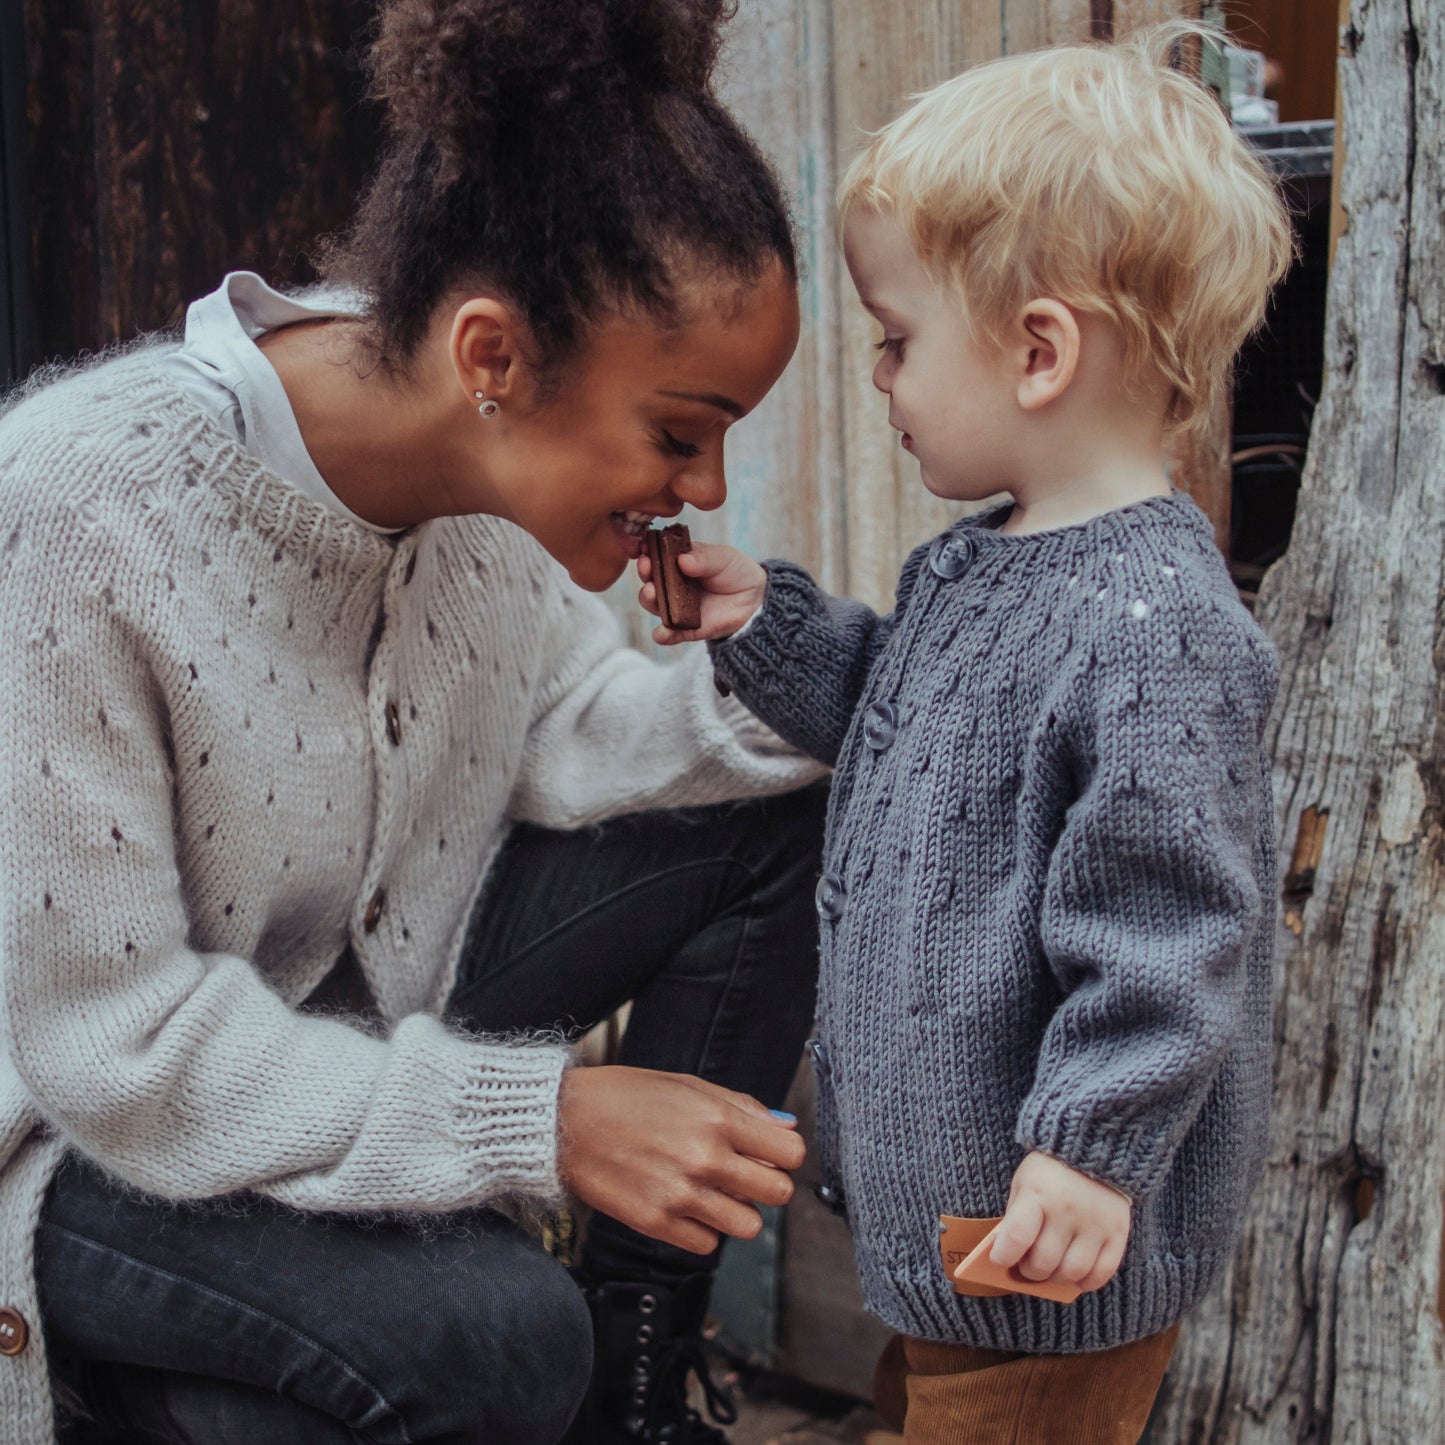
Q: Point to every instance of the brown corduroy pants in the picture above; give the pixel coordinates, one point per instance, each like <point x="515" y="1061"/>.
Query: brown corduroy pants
<point x="958" y="1395"/>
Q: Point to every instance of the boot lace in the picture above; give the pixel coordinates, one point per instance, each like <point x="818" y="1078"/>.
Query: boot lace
<point x="664" y="1413"/>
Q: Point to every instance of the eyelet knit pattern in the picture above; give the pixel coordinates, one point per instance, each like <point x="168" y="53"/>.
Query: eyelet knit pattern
<point x="1047" y="899"/>
<point x="238" y="735"/>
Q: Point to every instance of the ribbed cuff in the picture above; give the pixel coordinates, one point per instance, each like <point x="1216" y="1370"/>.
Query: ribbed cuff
<point x="1130" y="1159"/>
<point x="507" y="1119"/>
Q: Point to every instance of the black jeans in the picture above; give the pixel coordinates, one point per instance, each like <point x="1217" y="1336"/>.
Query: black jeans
<point x="246" y="1323"/>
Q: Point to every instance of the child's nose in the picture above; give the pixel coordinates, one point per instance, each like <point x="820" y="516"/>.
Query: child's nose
<point x="883" y="375"/>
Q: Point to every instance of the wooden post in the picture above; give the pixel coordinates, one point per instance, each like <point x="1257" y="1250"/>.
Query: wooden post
<point x="1327" y="1327"/>
<point x="172" y="142"/>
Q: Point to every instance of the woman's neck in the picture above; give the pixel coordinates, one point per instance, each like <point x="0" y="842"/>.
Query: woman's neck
<point x="379" y="443"/>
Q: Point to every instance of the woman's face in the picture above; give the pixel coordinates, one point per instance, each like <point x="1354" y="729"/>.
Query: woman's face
<point x="635" y="429"/>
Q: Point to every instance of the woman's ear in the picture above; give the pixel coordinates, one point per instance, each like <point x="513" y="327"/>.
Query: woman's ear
<point x="1049" y="352"/>
<point x="486" y="349"/>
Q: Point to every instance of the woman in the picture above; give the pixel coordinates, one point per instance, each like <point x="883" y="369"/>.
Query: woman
<point x="302" y="727"/>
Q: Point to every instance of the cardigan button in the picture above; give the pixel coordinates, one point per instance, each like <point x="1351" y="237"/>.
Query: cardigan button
<point x="951" y="556"/>
<point x="14" y="1332"/>
<point x="393" y="723"/>
<point x="818" y="1052"/>
<point x="830" y="1197"/>
<point x="828" y="897"/>
<point x="374" y="910"/>
<point x="880" y="726"/>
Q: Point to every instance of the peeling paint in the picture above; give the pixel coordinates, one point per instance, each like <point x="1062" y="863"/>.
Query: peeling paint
<point x="1403" y="805"/>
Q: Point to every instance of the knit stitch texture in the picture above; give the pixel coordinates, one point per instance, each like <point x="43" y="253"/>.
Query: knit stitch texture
<point x="1046" y="899"/>
<point x="239" y="735"/>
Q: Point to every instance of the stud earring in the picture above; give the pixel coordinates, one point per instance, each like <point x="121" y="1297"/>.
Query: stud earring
<point x="487" y="408"/>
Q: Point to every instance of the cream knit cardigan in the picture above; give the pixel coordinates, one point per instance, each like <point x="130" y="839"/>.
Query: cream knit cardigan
<point x="237" y="734"/>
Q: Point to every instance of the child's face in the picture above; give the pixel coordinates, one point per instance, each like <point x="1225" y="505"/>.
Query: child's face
<point x="950" y="397"/>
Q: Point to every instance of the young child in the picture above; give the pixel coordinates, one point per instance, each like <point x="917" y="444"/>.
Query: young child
<point x="1047" y="898"/>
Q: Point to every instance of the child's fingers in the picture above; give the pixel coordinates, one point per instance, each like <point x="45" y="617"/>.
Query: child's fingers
<point x="706" y="559"/>
<point x="1079" y="1259"/>
<point x="1018" y="1231"/>
<point x="1106" y="1266"/>
<point x="1043" y="1260"/>
<point x="721" y="568"/>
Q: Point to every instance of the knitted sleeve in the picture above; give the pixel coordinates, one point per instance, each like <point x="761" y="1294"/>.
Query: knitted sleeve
<point x="802" y="663"/>
<point x="1153" y="895"/>
<point x="616" y="732"/>
<point x="180" y="1070"/>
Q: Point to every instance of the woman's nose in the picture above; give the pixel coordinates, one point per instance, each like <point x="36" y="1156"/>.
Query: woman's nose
<point x="703" y="485"/>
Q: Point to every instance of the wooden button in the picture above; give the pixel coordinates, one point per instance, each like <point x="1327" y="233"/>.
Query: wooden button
<point x="14" y="1333"/>
<point x="374" y="910"/>
<point x="393" y="723"/>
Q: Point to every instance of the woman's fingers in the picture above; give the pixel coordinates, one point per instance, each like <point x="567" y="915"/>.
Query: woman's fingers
<point x="672" y="1156"/>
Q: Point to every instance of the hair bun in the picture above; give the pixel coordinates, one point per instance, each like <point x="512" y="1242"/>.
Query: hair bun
<point x="458" y="72"/>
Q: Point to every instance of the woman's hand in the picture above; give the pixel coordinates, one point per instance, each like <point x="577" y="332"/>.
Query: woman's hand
<point x="1062" y="1226"/>
<point x="733" y="588"/>
<point x="674" y="1157"/>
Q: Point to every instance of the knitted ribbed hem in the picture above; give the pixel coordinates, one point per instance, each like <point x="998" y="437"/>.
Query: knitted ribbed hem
<point x="791" y="599"/>
<point x="1133" y="1161"/>
<point x="1145" y="1297"/>
<point x="507" y="1120"/>
<point x="797" y="633"/>
<point x="27" y="1412"/>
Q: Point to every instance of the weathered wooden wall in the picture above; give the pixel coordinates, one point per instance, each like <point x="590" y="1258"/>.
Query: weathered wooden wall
<point x="1329" y="1328"/>
<point x="171" y="142"/>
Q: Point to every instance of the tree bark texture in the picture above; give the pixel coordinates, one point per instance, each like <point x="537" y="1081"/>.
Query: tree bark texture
<point x="1328" y="1328"/>
<point x="171" y="142"/>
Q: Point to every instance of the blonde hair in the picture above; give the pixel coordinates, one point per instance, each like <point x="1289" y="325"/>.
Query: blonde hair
<point x="1096" y="175"/>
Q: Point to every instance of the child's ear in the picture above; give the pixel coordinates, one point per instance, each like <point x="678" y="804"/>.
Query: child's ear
<point x="1048" y="343"/>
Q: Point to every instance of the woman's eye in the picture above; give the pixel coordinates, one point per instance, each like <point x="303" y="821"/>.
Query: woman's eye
<point x="678" y="447"/>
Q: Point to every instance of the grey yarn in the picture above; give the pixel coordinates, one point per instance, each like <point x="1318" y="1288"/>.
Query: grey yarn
<point x="1047" y="915"/>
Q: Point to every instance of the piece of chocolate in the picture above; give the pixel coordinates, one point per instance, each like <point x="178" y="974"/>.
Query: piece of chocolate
<point x="679" y="598"/>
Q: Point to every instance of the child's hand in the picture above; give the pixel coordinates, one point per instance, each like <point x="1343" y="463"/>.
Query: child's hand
<point x="1061" y="1225"/>
<point x="733" y="587"/>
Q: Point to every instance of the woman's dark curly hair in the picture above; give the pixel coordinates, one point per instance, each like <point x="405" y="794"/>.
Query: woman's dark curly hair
<point x="569" y="154"/>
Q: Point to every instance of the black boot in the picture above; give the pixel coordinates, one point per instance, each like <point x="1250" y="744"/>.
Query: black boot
<point x="647" y="1344"/>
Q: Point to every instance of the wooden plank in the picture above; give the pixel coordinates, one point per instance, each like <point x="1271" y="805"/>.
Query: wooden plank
<point x="173" y="142"/>
<point x="784" y="462"/>
<point x="882" y="56"/>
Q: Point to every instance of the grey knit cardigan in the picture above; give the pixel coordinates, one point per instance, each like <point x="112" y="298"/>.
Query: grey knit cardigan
<point x="1046" y="915"/>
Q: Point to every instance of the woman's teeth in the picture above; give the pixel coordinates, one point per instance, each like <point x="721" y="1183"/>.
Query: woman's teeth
<point x="635" y="523"/>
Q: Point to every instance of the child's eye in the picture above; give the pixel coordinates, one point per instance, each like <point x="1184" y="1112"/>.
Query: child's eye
<point x="891" y="344"/>
<point x="678" y="447"/>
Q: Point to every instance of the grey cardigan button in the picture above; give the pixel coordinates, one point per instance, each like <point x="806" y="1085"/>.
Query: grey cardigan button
<point x="880" y="726"/>
<point x="830" y="1196"/>
<point x="951" y="556"/>
<point x="829" y="897"/>
<point x="818" y="1052"/>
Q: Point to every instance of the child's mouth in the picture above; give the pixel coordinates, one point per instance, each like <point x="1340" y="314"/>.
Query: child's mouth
<point x="906" y="442"/>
